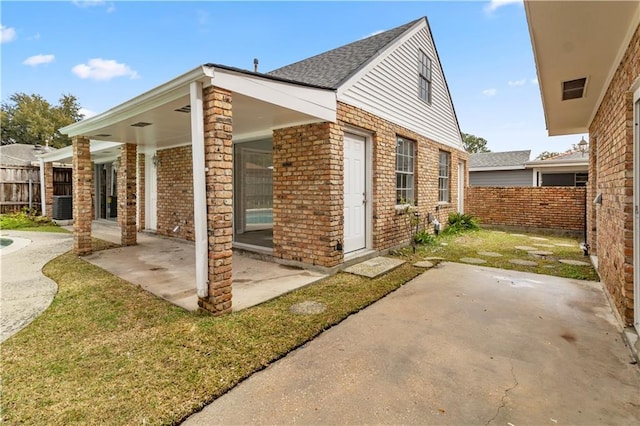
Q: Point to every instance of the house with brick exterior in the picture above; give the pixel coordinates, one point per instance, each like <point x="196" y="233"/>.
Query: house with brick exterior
<point x="312" y="164"/>
<point x="588" y="62"/>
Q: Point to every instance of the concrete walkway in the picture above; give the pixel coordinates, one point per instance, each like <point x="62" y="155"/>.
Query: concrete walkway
<point x="166" y="267"/>
<point x="460" y="344"/>
<point x="24" y="291"/>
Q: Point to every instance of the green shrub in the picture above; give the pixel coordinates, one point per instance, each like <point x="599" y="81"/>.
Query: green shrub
<point x="459" y="222"/>
<point x="26" y="218"/>
<point x="424" y="238"/>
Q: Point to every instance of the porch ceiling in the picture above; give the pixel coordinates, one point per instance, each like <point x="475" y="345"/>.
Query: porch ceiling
<point x="259" y="106"/>
<point x="572" y="40"/>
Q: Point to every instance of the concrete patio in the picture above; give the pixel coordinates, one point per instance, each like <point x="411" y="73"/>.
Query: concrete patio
<point x="166" y="267"/>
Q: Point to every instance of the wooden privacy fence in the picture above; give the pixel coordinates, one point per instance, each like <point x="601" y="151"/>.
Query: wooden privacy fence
<point x="20" y="186"/>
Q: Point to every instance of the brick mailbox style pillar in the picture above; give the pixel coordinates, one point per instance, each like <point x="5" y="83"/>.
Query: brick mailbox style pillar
<point x="48" y="190"/>
<point x="218" y="149"/>
<point x="127" y="208"/>
<point x="82" y="203"/>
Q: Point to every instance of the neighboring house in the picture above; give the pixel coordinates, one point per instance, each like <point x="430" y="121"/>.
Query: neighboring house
<point x="21" y="154"/>
<point x="513" y="168"/>
<point x="588" y="61"/>
<point x="312" y="163"/>
<point x="567" y="169"/>
<point x="500" y="169"/>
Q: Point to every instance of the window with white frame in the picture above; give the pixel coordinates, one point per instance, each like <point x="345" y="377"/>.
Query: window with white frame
<point x="405" y="161"/>
<point x="424" y="77"/>
<point x="444" y="174"/>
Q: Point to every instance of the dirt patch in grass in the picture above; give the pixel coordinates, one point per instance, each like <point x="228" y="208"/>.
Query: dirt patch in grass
<point x="470" y="244"/>
<point x="107" y="352"/>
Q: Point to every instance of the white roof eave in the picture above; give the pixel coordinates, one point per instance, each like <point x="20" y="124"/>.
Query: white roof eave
<point x="157" y="96"/>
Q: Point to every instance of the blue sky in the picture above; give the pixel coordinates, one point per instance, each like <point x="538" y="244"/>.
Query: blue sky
<point x="106" y="52"/>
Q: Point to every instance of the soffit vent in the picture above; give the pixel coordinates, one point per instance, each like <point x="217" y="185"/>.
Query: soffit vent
<point x="186" y="109"/>
<point x="140" y="124"/>
<point x="102" y="135"/>
<point x="573" y="89"/>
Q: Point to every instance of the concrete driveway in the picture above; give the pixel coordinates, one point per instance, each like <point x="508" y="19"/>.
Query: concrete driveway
<point x="460" y="344"/>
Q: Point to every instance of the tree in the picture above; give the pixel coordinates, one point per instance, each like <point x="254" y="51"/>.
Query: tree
<point x="30" y="119"/>
<point x="474" y="143"/>
<point x="547" y="154"/>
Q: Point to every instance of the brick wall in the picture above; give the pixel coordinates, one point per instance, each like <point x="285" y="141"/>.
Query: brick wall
<point x="126" y="189"/>
<point x="82" y="202"/>
<point x="175" y="192"/>
<point x="307" y="193"/>
<point x="549" y="207"/>
<point x="140" y="192"/>
<point x="611" y="224"/>
<point x="390" y="227"/>
<point x="308" y="185"/>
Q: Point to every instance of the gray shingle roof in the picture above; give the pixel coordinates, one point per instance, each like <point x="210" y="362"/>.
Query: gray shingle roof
<point x="568" y="156"/>
<point x="20" y="154"/>
<point x="499" y="159"/>
<point x="332" y="68"/>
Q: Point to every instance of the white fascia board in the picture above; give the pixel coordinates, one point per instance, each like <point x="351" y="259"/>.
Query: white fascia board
<point x="155" y="97"/>
<point x="495" y="169"/>
<point x="66" y="153"/>
<point x="319" y="103"/>
<point x="547" y="164"/>
<point x="380" y="56"/>
<point x="57" y="155"/>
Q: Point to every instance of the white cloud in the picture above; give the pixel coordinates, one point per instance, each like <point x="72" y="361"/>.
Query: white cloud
<point x="103" y="70"/>
<point x="489" y="92"/>
<point x="91" y="3"/>
<point x="534" y="81"/>
<point x="517" y="83"/>
<point x="36" y="60"/>
<point x="36" y="36"/>
<point x="7" y="34"/>
<point x="88" y="3"/>
<point x="87" y="112"/>
<point x="494" y="5"/>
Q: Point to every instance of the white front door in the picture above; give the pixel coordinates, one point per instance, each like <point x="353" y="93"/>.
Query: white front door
<point x="460" y="186"/>
<point x="354" y="193"/>
<point x="636" y="210"/>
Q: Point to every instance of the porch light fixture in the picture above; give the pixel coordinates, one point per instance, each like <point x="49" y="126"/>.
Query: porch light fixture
<point x="583" y="146"/>
<point x="155" y="160"/>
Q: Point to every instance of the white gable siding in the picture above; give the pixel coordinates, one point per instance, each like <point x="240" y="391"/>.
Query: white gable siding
<point x="390" y="90"/>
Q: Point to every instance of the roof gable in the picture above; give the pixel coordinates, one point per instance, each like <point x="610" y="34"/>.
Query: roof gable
<point x="332" y="68"/>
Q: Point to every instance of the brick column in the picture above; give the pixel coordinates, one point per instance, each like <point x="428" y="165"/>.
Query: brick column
<point x="218" y="148"/>
<point x="48" y="189"/>
<point x="140" y="195"/>
<point x="127" y="194"/>
<point x="82" y="204"/>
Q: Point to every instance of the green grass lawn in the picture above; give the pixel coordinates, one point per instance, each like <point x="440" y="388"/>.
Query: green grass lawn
<point x="107" y="352"/>
<point x="455" y="247"/>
